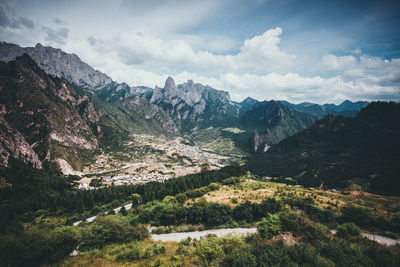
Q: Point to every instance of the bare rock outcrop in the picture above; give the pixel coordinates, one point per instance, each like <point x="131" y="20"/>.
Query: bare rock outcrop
<point x="13" y="144"/>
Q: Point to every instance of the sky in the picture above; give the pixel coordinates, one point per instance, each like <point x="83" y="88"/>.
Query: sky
<point x="295" y="50"/>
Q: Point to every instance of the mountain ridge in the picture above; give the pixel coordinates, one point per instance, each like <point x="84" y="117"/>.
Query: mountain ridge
<point x="338" y="151"/>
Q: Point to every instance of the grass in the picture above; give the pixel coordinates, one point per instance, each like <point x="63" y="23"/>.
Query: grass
<point x="256" y="191"/>
<point x="220" y="140"/>
<point x="248" y="190"/>
<point x="108" y="255"/>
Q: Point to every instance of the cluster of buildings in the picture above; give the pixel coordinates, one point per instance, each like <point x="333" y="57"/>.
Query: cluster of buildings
<point x="129" y="179"/>
<point x="188" y="150"/>
<point x="143" y="178"/>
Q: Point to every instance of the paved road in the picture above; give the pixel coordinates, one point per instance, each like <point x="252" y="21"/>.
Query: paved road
<point x="382" y="239"/>
<point x="177" y="237"/>
<point x="91" y="219"/>
<point x="197" y="234"/>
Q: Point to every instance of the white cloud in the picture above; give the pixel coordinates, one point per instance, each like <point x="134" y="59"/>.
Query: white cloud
<point x="56" y="36"/>
<point x="331" y="62"/>
<point x="263" y="52"/>
<point x="260" y="53"/>
<point x="293" y="87"/>
<point x="14" y="22"/>
<point x="355" y="78"/>
<point x="366" y="69"/>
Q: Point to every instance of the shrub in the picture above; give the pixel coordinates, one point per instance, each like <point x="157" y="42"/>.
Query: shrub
<point x="181" y="197"/>
<point x="123" y="211"/>
<point x="270" y="226"/>
<point x="348" y="229"/>
<point x="111" y="229"/>
<point x="208" y="251"/>
<point x="35" y="247"/>
<point x="231" y="180"/>
<point x="213" y="187"/>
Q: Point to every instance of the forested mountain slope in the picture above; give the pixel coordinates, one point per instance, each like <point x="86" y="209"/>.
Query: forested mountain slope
<point x="338" y="151"/>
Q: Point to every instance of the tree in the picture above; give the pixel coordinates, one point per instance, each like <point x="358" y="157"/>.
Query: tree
<point x="270" y="226"/>
<point x="123" y="211"/>
<point x="136" y="199"/>
<point x="111" y="211"/>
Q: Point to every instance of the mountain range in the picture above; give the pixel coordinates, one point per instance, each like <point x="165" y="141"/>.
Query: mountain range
<point x="61" y="109"/>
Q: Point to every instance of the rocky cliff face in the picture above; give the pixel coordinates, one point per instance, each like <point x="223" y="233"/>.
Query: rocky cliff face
<point x="13" y="144"/>
<point x="47" y="112"/>
<point x="192" y="104"/>
<point x="57" y="63"/>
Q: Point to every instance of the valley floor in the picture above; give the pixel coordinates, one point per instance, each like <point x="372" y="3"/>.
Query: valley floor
<point x="147" y="158"/>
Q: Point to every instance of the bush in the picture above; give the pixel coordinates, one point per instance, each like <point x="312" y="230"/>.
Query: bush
<point x="348" y="229"/>
<point x="208" y="251"/>
<point x="111" y="211"/>
<point x="96" y="182"/>
<point x="111" y="229"/>
<point x="216" y="214"/>
<point x="213" y="186"/>
<point x="362" y="216"/>
<point x="181" y="197"/>
<point x="123" y="211"/>
<point x="35" y="247"/>
<point x="299" y="224"/>
<point x="270" y="226"/>
<point x="131" y="253"/>
<point x="231" y="180"/>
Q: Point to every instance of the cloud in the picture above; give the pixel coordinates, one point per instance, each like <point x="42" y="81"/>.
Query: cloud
<point x="260" y="53"/>
<point x="59" y="21"/>
<point x="366" y="69"/>
<point x="263" y="51"/>
<point x="13" y="22"/>
<point x="294" y="87"/>
<point x="331" y="62"/>
<point x="56" y="36"/>
<point x="290" y="86"/>
<point x="353" y="77"/>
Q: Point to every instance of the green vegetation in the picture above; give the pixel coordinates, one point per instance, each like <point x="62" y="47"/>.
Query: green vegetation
<point x="275" y="121"/>
<point x="348" y="229"/>
<point x="293" y="228"/>
<point x="233" y="142"/>
<point x="270" y="226"/>
<point x="47" y="191"/>
<point x="338" y="151"/>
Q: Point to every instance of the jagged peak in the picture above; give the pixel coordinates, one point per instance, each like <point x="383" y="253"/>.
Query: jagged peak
<point x="170" y="83"/>
<point x="249" y="100"/>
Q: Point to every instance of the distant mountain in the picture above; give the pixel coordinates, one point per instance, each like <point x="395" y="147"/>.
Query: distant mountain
<point x="57" y="63"/>
<point x="337" y="151"/>
<point x="247" y="104"/>
<point x="273" y="122"/>
<point x="346" y="108"/>
<point x="173" y="110"/>
<point x="193" y="105"/>
<point x="44" y="118"/>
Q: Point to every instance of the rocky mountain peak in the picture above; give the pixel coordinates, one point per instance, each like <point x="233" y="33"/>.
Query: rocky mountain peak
<point x="58" y="63"/>
<point x="170" y="84"/>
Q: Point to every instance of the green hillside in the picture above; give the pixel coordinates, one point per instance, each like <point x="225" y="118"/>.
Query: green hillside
<point x="338" y="151"/>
